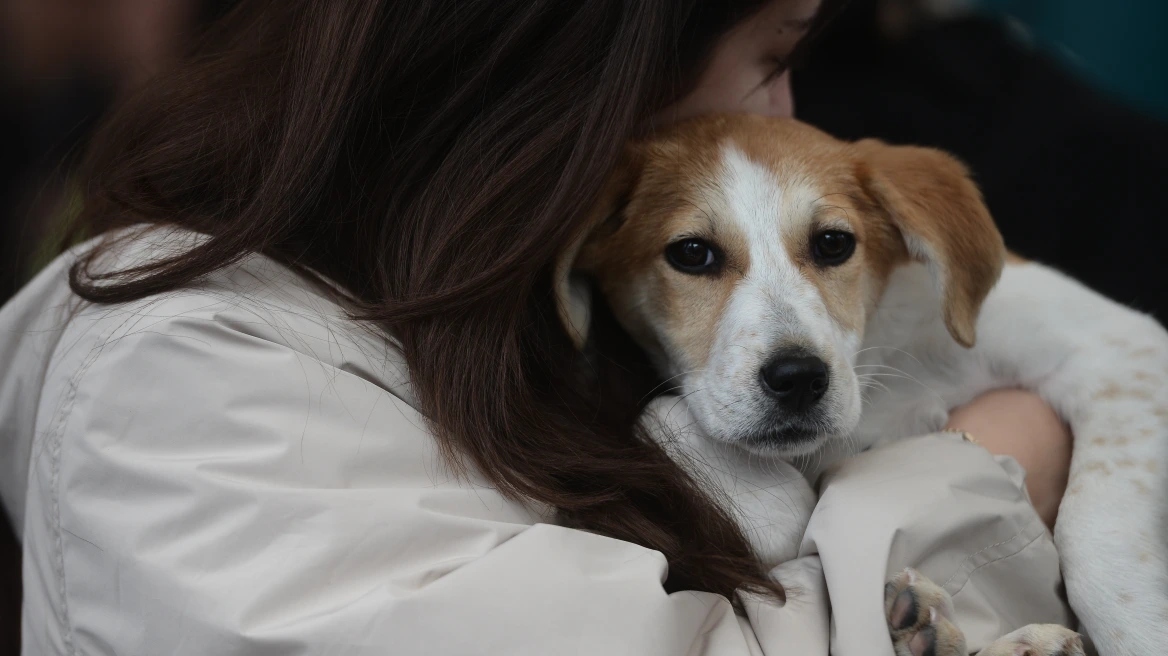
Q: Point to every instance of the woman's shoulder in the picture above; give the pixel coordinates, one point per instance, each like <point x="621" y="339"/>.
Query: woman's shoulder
<point x="250" y="305"/>
<point x="250" y="351"/>
<point x="223" y="445"/>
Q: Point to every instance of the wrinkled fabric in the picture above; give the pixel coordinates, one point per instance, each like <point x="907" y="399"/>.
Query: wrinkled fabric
<point x="237" y="468"/>
<point x="950" y="510"/>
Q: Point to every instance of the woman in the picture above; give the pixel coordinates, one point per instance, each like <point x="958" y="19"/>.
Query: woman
<point x="208" y="454"/>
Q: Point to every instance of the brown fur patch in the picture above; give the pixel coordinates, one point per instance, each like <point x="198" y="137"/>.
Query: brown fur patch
<point x="931" y="200"/>
<point x="1097" y="466"/>
<point x="1109" y="392"/>
<point x="792" y="151"/>
<point x="628" y="263"/>
<point x="671" y="198"/>
<point x="883" y="194"/>
<point x="1145" y="377"/>
<point x="1112" y="391"/>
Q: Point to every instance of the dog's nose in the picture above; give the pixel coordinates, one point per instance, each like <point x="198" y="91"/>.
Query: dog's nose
<point x="796" y="382"/>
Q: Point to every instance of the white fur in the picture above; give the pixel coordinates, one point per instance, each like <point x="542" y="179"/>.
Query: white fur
<point x="770" y="498"/>
<point x="773" y="306"/>
<point x="1103" y="367"/>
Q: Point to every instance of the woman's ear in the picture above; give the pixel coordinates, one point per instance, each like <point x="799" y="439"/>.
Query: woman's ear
<point x="929" y="197"/>
<point x="572" y="290"/>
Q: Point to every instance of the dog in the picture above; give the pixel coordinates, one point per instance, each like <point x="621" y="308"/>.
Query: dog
<point x="779" y="271"/>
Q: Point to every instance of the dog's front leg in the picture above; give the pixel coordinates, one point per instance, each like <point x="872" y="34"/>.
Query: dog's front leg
<point x="1104" y="368"/>
<point x="920" y="622"/>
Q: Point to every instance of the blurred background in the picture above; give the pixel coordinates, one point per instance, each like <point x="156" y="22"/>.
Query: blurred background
<point x="1058" y="106"/>
<point x="62" y="64"/>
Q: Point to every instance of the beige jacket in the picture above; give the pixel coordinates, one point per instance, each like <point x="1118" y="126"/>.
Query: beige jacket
<point x="238" y="469"/>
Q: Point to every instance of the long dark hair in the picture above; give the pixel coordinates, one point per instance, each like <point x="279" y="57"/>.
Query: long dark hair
<point x="433" y="157"/>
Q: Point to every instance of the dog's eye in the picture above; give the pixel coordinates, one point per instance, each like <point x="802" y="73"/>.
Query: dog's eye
<point x="832" y="247"/>
<point x="691" y="256"/>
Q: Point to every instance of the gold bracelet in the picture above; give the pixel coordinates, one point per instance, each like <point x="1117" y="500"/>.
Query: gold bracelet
<point x="965" y="435"/>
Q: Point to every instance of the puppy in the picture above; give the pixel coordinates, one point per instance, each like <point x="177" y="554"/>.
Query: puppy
<point x="812" y="296"/>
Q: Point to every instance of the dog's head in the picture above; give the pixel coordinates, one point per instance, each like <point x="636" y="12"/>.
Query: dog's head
<point x="745" y="255"/>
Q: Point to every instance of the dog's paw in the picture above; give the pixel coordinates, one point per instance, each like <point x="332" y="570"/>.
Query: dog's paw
<point x="1037" y="640"/>
<point x="920" y="616"/>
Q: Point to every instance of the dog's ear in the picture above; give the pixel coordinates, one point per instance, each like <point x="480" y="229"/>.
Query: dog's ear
<point x="929" y="197"/>
<point x="572" y="292"/>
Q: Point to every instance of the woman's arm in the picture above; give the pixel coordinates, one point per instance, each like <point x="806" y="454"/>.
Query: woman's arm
<point x="221" y="480"/>
<point x="1020" y="424"/>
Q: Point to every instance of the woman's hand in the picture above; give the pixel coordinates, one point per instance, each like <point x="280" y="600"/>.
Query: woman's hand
<point x="1019" y="423"/>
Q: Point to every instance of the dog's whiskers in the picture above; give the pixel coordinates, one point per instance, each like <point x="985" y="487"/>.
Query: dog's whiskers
<point x="890" y="348"/>
<point x="898" y="373"/>
<point x="864" y="379"/>
<point x="667" y="381"/>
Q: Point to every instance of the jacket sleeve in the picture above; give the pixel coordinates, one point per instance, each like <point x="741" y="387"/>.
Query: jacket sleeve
<point x="200" y="488"/>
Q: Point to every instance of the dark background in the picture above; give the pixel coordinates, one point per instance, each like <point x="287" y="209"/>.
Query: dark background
<point x="1073" y="175"/>
<point x="1047" y="120"/>
<point x="62" y="63"/>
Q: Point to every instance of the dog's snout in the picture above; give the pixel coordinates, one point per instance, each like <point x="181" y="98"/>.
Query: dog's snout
<point x="795" y="381"/>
